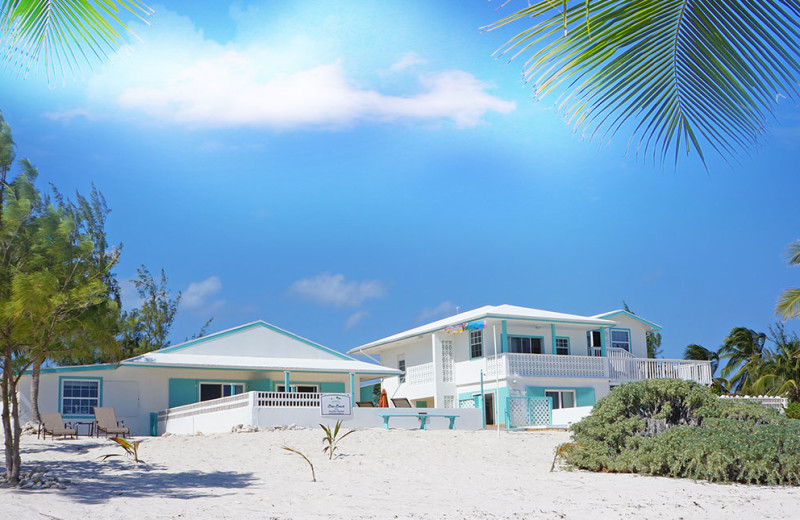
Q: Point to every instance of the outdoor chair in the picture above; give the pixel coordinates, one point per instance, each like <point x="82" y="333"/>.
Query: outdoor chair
<point x="365" y="404"/>
<point x="401" y="402"/>
<point x="53" y="424"/>
<point x="106" y="422"/>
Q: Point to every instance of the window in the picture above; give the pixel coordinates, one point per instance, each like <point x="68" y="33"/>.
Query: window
<point x="562" y="346"/>
<point x="525" y="345"/>
<point x="621" y="339"/>
<point x="595" y="343"/>
<point x="210" y="391"/>
<point x="401" y="366"/>
<point x="308" y="389"/>
<point x="79" y="396"/>
<point x="475" y="344"/>
<point x="561" y="398"/>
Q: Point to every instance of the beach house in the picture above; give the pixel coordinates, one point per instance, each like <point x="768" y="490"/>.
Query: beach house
<point x="523" y="366"/>
<point x="280" y="371"/>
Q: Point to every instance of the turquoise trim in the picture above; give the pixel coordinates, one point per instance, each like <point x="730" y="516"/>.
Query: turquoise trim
<point x="483" y="344"/>
<point x="504" y="336"/>
<point x="287" y="387"/>
<point x="153" y="424"/>
<point x="82" y="368"/>
<point x="603" y="341"/>
<point x="553" y="336"/>
<point x="303" y="370"/>
<point x="61" y="379"/>
<point x="584" y="395"/>
<point x="248" y="326"/>
<point x="526" y="336"/>
<point x="181" y="391"/>
<point x="630" y="315"/>
<point x="630" y="337"/>
<point x="352" y="389"/>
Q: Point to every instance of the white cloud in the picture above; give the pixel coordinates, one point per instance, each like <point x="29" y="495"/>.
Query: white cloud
<point x="441" y="310"/>
<point x="354" y="319"/>
<point x="408" y="60"/>
<point x="198" y="293"/>
<point x="178" y="76"/>
<point x="328" y="289"/>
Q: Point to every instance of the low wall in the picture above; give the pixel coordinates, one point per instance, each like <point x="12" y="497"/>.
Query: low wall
<point x="567" y="416"/>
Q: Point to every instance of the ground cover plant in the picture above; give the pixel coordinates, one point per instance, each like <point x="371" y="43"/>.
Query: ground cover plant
<point x="681" y="429"/>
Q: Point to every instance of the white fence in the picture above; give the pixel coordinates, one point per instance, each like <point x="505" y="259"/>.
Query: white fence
<point x="618" y="368"/>
<point x="769" y="401"/>
<point x="274" y="409"/>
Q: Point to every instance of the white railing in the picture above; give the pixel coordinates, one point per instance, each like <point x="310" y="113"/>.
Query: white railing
<point x="619" y="353"/>
<point x="619" y="368"/>
<point x="214" y="405"/>
<point x="770" y="401"/>
<point x="303" y="399"/>
<point x="420" y="374"/>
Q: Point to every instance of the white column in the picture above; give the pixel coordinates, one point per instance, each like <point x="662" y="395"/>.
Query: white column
<point x="437" y="369"/>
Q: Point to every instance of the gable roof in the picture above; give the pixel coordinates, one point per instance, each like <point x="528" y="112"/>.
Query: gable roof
<point x="606" y="315"/>
<point x="488" y="311"/>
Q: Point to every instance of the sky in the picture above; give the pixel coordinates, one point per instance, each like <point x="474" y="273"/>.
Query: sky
<point x="347" y="170"/>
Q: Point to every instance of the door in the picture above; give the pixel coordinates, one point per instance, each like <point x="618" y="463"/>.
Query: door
<point x="488" y="408"/>
<point x="447" y="360"/>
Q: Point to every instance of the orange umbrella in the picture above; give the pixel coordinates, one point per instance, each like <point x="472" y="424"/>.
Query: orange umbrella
<point x="383" y="402"/>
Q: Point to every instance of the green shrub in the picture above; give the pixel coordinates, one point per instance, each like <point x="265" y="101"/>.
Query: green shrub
<point x="680" y="429"/>
<point x="793" y="411"/>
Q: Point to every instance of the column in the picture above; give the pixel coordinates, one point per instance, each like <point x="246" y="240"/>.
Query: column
<point x="603" y="331"/>
<point x="352" y="389"/>
<point x="503" y="337"/>
<point x="553" y="336"/>
<point x="286" y="381"/>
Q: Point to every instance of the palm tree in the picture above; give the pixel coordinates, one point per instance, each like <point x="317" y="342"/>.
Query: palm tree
<point x="789" y="303"/>
<point x="63" y="32"/>
<point x="744" y="351"/>
<point x="676" y="74"/>
<point x="697" y="352"/>
<point x="780" y="372"/>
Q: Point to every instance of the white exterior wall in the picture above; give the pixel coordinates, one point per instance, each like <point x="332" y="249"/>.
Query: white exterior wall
<point x="259" y="341"/>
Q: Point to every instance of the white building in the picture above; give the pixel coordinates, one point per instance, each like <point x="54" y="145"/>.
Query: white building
<point x="518" y="357"/>
<point x="285" y="370"/>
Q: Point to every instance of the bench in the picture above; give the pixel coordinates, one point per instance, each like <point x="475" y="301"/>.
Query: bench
<point x="423" y="418"/>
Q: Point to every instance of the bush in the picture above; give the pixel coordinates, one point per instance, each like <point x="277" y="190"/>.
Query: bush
<point x="680" y="429"/>
<point x="793" y="411"/>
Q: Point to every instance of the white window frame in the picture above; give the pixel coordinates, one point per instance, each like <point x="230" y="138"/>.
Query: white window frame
<point x="96" y="400"/>
<point x="293" y="388"/>
<point x="222" y="384"/>
<point x="559" y="391"/>
<point x="626" y="345"/>
<point x="475" y="334"/>
<point x="562" y="338"/>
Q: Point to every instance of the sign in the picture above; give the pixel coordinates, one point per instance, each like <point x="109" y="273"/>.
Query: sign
<point x="333" y="405"/>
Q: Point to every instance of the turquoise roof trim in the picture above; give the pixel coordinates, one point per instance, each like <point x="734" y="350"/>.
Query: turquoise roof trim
<point x="611" y="314"/>
<point x="259" y="323"/>
<point x="82" y="368"/>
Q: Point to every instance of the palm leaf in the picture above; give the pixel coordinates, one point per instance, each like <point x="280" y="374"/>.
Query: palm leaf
<point x="59" y="33"/>
<point x="677" y="75"/>
<point x="793" y="253"/>
<point x="789" y="304"/>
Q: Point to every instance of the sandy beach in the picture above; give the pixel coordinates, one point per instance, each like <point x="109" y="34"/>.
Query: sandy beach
<point x="376" y="474"/>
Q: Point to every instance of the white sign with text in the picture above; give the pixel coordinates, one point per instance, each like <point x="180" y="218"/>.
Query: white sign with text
<point x="335" y="405"/>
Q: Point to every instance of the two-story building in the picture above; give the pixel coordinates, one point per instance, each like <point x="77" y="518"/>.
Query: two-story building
<point x="499" y="356"/>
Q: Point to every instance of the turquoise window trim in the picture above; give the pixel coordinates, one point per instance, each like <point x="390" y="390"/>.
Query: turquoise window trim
<point x="527" y="336"/>
<point x="630" y="337"/>
<point x="603" y="341"/>
<point x="569" y="345"/>
<point x="504" y="336"/>
<point x="61" y="380"/>
<point x="483" y="344"/>
<point x="251" y="326"/>
<point x="553" y="336"/>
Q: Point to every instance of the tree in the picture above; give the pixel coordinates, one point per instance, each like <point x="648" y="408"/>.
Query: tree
<point x="780" y="373"/>
<point x="49" y="283"/>
<point x="65" y="32"/>
<point x="697" y="352"/>
<point x="675" y="74"/>
<point x="653" y="344"/>
<point x="789" y="303"/>
<point x="743" y="349"/>
<point x="146" y="329"/>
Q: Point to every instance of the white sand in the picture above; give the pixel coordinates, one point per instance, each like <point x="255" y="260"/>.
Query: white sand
<point x="379" y="474"/>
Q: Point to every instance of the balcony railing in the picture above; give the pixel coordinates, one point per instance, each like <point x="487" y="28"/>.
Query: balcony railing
<point x="420" y="374"/>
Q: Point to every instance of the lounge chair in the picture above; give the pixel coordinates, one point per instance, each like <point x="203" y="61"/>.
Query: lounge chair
<point x="365" y="404"/>
<point x="401" y="402"/>
<point x="106" y="422"/>
<point x="53" y="424"/>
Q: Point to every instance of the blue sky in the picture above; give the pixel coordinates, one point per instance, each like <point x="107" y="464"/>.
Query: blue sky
<point x="347" y="170"/>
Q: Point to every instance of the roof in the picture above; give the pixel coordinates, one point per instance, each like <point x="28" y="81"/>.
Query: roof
<point x="611" y="314"/>
<point x="488" y="311"/>
<point x="167" y="359"/>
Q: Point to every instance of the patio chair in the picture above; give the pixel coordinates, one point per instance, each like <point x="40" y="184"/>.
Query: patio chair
<point x="401" y="402"/>
<point x="106" y="422"/>
<point x="365" y="404"/>
<point x="53" y="424"/>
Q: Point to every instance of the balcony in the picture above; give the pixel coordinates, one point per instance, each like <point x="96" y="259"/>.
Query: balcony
<point x="618" y="367"/>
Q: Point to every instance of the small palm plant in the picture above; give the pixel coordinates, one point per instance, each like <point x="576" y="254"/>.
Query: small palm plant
<point x="332" y="438"/>
<point x="131" y="448"/>
<point x="298" y="452"/>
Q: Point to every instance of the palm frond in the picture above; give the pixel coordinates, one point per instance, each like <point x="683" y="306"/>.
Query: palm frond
<point x="789" y="304"/>
<point x="793" y="253"/>
<point x="678" y="75"/>
<point x="62" y="33"/>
